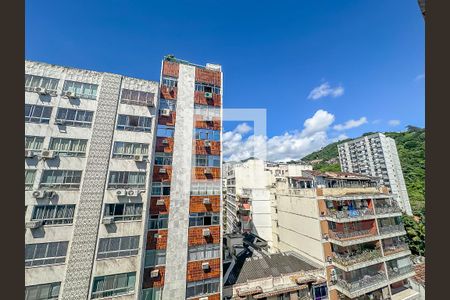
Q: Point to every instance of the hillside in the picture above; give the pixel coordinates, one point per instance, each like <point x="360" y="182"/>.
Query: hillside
<point x="411" y="150"/>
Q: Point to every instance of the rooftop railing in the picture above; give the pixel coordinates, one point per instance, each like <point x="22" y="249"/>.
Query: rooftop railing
<point x="365" y="282"/>
<point x="355" y="258"/>
<point x="391" y="229"/>
<point x="396" y="272"/>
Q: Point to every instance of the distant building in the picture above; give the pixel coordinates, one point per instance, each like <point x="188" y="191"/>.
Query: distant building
<point x="351" y="225"/>
<point x="247" y="201"/>
<point x="376" y="155"/>
<point x="255" y="274"/>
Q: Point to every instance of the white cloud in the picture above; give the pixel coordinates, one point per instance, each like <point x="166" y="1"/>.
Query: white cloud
<point x="394" y="122"/>
<point x="350" y="124"/>
<point x="292" y="145"/>
<point x="419" y="77"/>
<point x="325" y="90"/>
<point x="243" y="128"/>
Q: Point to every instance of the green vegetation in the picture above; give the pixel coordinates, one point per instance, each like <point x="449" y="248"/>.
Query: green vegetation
<point x="415" y="232"/>
<point x="411" y="151"/>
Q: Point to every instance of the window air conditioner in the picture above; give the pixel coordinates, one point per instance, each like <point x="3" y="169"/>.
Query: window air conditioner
<point x="208" y="95"/>
<point x="206" y="201"/>
<point x="132" y="193"/>
<point x="205" y="265"/>
<point x="108" y="220"/>
<point x="165" y="112"/>
<point x="41" y="91"/>
<point x="34" y="224"/>
<point x="39" y="194"/>
<point x="48" y="154"/>
<point x="154" y="273"/>
<point x="207" y="143"/>
<point x="160" y="202"/>
<point x="208" y="171"/>
<point x="206" y="232"/>
<point x="162" y="171"/>
<point x="70" y="95"/>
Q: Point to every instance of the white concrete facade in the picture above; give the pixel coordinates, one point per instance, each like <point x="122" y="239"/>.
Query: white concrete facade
<point x="376" y="155"/>
<point x="96" y="161"/>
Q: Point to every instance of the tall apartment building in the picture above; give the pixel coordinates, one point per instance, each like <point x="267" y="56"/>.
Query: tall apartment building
<point x="248" y="201"/>
<point x="351" y="225"/>
<point x="376" y="155"/>
<point x="103" y="160"/>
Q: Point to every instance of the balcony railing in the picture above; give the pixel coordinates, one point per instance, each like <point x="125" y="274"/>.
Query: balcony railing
<point x="396" y="272"/>
<point x="362" y="283"/>
<point x="349" y="213"/>
<point x="391" y="249"/>
<point x="391" y="228"/>
<point x="388" y="209"/>
<point x="351" y="259"/>
<point x="350" y="235"/>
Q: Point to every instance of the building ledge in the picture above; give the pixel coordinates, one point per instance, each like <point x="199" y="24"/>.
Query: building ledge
<point x="407" y="294"/>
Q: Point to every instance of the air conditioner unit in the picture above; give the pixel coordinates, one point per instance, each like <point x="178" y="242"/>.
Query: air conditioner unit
<point x="154" y="273"/>
<point x="206" y="232"/>
<point x="50" y="194"/>
<point x="70" y="95"/>
<point x="121" y="192"/>
<point x="208" y="95"/>
<point x="165" y="141"/>
<point x="48" y="154"/>
<point x="132" y="193"/>
<point x="157" y="236"/>
<point x="139" y="158"/>
<point x="162" y="171"/>
<point x="34" y="224"/>
<point x="160" y="202"/>
<point x="108" y="220"/>
<point x="206" y="201"/>
<point x="41" y="91"/>
<point x="39" y="194"/>
<point x="207" y="143"/>
<point x="165" y="112"/>
<point x="208" y="171"/>
<point x="205" y="265"/>
<point x="29" y="154"/>
<point x="59" y="122"/>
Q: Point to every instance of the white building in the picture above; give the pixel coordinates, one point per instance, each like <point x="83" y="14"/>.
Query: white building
<point x="248" y="199"/>
<point x="376" y="155"/>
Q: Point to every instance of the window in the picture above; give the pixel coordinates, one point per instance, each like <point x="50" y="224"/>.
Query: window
<point x="163" y="159"/>
<point x="205" y="87"/>
<point x="63" y="179"/>
<point x="117" y="247"/>
<point x="137" y="97"/>
<point x="165" y="131"/>
<point x="82" y="90"/>
<point x="206" y="110"/>
<point x="160" y="189"/>
<point x="29" y="179"/>
<point x="74" y="117"/>
<point x="206" y="188"/>
<point x="152" y="294"/>
<point x="113" y="285"/>
<point x="37" y="114"/>
<point x="160" y="221"/>
<point x="33" y="81"/>
<point x="169" y="81"/>
<point x="207" y="134"/>
<point x="45" y="253"/>
<point x="204" y="219"/>
<point x="207" y="160"/>
<point x="33" y="142"/>
<point x="54" y="214"/>
<point x="155" y="258"/>
<point x="202" y="287"/>
<point x="320" y="292"/>
<point x="134" y="123"/>
<point x="68" y="147"/>
<point x="167" y="104"/>
<point x="129" y="150"/>
<point x="201" y="252"/>
<point x="124" y="211"/>
<point x="49" y="291"/>
<point x="124" y="179"/>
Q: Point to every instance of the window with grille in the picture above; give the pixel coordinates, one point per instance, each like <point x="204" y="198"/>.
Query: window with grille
<point x="134" y="123"/>
<point x="207" y="251"/>
<point x="74" y="117"/>
<point x="33" y="81"/>
<point x="202" y="287"/>
<point x="118" y="247"/>
<point x="126" y="179"/>
<point x="113" y="285"/>
<point x="48" y="291"/>
<point x="53" y="214"/>
<point x="129" y="150"/>
<point x="137" y="97"/>
<point x="34" y="142"/>
<point x="68" y="147"/>
<point x="124" y="211"/>
<point x="37" y="114"/>
<point x="45" y="253"/>
<point x="61" y="179"/>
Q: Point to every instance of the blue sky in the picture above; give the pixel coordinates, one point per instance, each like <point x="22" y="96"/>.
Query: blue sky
<point x="365" y="58"/>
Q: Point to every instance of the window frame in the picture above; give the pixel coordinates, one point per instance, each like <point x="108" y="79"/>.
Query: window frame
<point x="200" y="219"/>
<point x="44" y="82"/>
<point x="48" y="216"/>
<point x="124" y="178"/>
<point x="47" y="259"/>
<point x="149" y="97"/>
<point x="135" y="128"/>
<point x="49" y="286"/>
<point x="134" y="147"/>
<point x="29" y="185"/>
<point x="31" y="118"/>
<point x="71" y="141"/>
<point x="83" y="87"/>
<point x="132" y="250"/>
<point x="34" y="142"/>
<point x="114" y="280"/>
<point x="63" y="113"/>
<point x="71" y="179"/>
<point x="137" y="216"/>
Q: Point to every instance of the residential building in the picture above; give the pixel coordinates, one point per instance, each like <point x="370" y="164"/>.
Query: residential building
<point x="255" y="273"/>
<point x="104" y="156"/>
<point x="184" y="234"/>
<point x="376" y="155"/>
<point x="351" y="225"/>
<point x="248" y="194"/>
